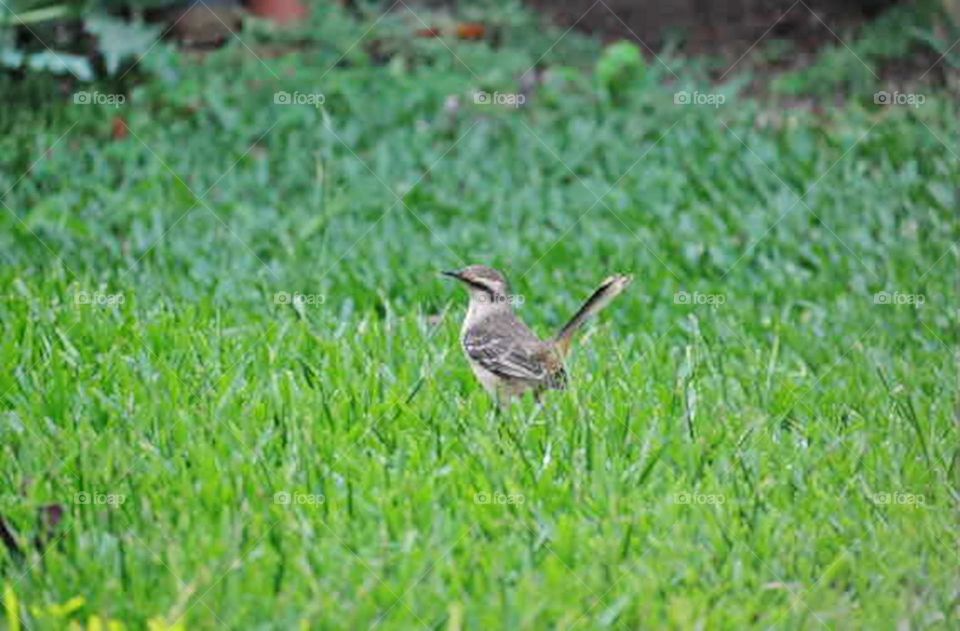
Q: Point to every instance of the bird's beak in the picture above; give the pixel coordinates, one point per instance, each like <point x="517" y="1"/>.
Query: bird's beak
<point x="453" y="274"/>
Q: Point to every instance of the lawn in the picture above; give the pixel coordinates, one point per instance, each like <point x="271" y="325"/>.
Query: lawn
<point x="229" y="358"/>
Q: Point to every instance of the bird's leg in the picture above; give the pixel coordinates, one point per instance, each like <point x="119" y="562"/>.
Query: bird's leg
<point x="540" y="407"/>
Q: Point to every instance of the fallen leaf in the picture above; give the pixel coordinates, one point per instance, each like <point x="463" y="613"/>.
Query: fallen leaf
<point x="120" y="130"/>
<point x="471" y="30"/>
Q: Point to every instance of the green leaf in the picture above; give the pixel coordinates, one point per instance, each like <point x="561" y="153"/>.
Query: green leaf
<point x="12" y="606"/>
<point x="621" y="64"/>
<point x="60" y="63"/>
<point x="118" y="39"/>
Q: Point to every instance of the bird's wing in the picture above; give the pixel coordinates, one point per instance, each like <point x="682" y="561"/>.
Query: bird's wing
<point x="508" y="356"/>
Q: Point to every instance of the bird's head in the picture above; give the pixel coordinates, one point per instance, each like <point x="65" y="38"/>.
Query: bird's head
<point x="484" y="283"/>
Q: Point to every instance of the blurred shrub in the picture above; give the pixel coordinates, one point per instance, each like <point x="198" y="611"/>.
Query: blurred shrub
<point x="620" y="67"/>
<point x="74" y="37"/>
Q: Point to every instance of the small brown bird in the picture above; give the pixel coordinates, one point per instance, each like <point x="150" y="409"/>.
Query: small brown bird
<point x="505" y="355"/>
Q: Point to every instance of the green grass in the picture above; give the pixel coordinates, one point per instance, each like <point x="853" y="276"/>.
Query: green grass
<point x="788" y="415"/>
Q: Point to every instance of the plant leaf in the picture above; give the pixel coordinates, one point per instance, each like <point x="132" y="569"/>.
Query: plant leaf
<point x="118" y="39"/>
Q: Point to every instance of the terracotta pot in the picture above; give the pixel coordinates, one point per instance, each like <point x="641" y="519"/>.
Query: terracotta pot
<point x="206" y="24"/>
<point x="280" y="11"/>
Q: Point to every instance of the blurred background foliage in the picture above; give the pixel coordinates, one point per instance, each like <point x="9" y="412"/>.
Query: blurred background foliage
<point x="98" y="39"/>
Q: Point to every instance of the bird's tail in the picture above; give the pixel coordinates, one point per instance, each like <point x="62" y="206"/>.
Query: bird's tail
<point x="608" y="290"/>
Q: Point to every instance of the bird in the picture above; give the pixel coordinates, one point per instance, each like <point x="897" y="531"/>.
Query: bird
<point x="506" y="356"/>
